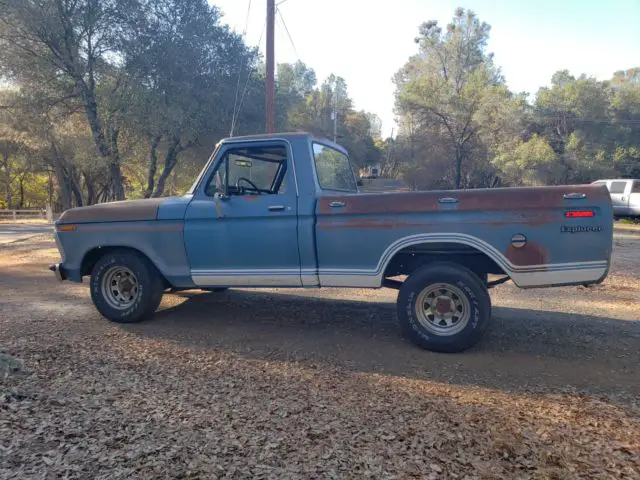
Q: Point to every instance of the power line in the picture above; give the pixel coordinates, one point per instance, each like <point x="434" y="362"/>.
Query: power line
<point x="246" y="23"/>
<point x="236" y="108"/>
<point x="287" y="30"/>
<point x="576" y="118"/>
<point x="594" y="120"/>
<point x="246" y="83"/>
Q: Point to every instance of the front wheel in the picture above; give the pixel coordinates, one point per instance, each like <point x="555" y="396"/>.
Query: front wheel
<point x="444" y="307"/>
<point x="126" y="287"/>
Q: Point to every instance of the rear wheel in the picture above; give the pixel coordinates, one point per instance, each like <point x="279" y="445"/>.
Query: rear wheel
<point x="444" y="307"/>
<point x="126" y="287"/>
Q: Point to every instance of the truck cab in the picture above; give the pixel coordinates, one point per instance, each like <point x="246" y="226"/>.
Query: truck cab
<point x="260" y="205"/>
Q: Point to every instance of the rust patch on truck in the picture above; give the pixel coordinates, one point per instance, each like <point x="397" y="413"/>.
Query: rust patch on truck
<point x="369" y="223"/>
<point x="132" y="227"/>
<point x="532" y="253"/>
<point x="122" y="211"/>
<point x="494" y="199"/>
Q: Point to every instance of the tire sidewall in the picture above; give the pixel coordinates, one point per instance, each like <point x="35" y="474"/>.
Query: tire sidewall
<point x="142" y="272"/>
<point x="470" y="286"/>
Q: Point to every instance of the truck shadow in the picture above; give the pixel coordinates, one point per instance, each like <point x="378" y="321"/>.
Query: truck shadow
<point x="523" y="349"/>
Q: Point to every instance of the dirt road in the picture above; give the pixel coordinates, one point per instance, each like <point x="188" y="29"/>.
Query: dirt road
<point x="317" y="384"/>
<point x="11" y="232"/>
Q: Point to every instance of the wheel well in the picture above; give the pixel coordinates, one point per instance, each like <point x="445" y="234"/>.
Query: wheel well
<point x="95" y="254"/>
<point x="412" y="257"/>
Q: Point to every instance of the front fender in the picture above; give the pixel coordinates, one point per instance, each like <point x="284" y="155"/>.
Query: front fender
<point x="162" y="242"/>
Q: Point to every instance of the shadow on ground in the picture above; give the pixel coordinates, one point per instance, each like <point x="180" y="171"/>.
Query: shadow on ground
<point x="523" y="349"/>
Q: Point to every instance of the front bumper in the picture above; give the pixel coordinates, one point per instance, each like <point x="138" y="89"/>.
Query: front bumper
<point x="59" y="270"/>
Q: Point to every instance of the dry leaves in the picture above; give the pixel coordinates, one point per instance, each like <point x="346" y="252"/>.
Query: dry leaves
<point x="87" y="399"/>
<point x="120" y="406"/>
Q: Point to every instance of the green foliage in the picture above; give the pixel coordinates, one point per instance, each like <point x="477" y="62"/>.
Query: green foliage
<point x="445" y="87"/>
<point x="529" y="163"/>
<point x="306" y="108"/>
<point x="112" y="98"/>
<point x="461" y="127"/>
<point x="130" y="97"/>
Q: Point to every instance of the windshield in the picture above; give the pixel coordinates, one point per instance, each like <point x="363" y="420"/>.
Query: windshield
<point x="192" y="189"/>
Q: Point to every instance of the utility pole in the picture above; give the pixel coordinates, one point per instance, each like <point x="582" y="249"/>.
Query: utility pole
<point x="270" y="81"/>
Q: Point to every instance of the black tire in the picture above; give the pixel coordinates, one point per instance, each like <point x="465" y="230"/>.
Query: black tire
<point x="474" y="298"/>
<point x="150" y="286"/>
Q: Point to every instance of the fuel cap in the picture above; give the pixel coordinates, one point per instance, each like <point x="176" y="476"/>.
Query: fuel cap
<point x="518" y="240"/>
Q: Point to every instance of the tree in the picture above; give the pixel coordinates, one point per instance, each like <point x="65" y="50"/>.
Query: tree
<point x="574" y="115"/>
<point x="66" y="46"/>
<point x="184" y="66"/>
<point x="628" y="76"/>
<point x="19" y="149"/>
<point x="625" y="112"/>
<point x="294" y="83"/>
<point x="444" y="87"/>
<point x="528" y="163"/>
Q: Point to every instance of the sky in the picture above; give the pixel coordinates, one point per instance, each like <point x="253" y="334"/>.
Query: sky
<point x="367" y="41"/>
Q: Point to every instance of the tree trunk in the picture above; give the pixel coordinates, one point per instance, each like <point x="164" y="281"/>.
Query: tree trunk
<point x="65" y="193"/>
<point x="153" y="166"/>
<point x="174" y="182"/>
<point x="21" y="187"/>
<point x="458" y="166"/>
<point x="75" y="189"/>
<point x="103" y="194"/>
<point x="7" y="179"/>
<point x="170" y="160"/>
<point x="97" y="132"/>
<point x="50" y="187"/>
<point x="114" y="167"/>
<point x="91" y="189"/>
<point x="91" y="111"/>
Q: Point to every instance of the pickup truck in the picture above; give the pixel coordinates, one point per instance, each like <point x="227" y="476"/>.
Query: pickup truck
<point x="285" y="210"/>
<point x="625" y="196"/>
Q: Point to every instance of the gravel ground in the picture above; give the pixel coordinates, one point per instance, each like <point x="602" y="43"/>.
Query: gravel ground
<point x="315" y="384"/>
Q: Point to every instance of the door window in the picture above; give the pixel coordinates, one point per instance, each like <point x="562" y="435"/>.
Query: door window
<point x="255" y="170"/>
<point x="636" y="187"/>
<point x="617" y="187"/>
<point x="333" y="169"/>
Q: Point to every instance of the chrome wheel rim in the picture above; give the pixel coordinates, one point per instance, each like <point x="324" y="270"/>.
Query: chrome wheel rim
<point x="120" y="287"/>
<point x="443" y="309"/>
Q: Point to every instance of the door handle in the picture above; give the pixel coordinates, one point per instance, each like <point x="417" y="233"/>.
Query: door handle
<point x="447" y="200"/>
<point x="575" y="196"/>
<point x="275" y="208"/>
<point x="336" y="204"/>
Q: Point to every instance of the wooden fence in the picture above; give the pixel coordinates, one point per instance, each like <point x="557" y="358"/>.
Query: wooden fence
<point x="27" y="214"/>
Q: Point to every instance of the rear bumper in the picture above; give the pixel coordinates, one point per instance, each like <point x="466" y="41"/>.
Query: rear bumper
<point x="59" y="270"/>
<point x="631" y="211"/>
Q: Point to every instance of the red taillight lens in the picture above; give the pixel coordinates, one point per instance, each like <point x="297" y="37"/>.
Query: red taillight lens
<point x="579" y="214"/>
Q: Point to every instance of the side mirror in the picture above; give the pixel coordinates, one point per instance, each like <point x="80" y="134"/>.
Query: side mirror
<point x="221" y="196"/>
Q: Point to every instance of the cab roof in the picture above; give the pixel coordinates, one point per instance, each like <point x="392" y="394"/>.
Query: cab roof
<point x="286" y="136"/>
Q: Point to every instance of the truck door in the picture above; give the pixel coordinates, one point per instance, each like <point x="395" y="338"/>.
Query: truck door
<point x="241" y="226"/>
<point x="619" y="196"/>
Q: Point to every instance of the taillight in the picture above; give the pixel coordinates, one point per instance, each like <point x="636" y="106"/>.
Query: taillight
<point x="579" y="214"/>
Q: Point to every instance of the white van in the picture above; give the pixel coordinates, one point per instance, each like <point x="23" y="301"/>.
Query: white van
<point x="625" y="196"/>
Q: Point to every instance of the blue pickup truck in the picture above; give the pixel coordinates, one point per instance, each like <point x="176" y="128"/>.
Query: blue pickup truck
<point x="285" y="210"/>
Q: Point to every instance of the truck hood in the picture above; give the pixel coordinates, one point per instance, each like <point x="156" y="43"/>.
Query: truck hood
<point x="123" y="211"/>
